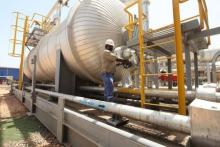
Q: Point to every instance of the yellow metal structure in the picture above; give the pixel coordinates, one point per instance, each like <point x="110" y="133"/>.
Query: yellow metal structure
<point x="20" y="82"/>
<point x="131" y="23"/>
<point x="203" y="15"/>
<point x="179" y="57"/>
<point x="42" y="21"/>
<point x="204" y="20"/>
<point x="141" y="47"/>
<point x="21" y="29"/>
<point x="20" y="32"/>
<point x="17" y="32"/>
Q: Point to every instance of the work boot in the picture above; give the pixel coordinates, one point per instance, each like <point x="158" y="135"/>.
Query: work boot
<point x="114" y="117"/>
<point x="111" y="100"/>
<point x="117" y="120"/>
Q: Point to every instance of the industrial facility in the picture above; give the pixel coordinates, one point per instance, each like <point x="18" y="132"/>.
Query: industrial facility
<point x="8" y="74"/>
<point x="103" y="77"/>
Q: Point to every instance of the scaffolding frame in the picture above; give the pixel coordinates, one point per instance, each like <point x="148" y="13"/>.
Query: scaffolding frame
<point x="23" y="25"/>
<point x="203" y="15"/>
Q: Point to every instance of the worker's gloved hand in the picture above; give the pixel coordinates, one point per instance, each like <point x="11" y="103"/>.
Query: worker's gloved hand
<point x="119" y="64"/>
<point x="126" y="64"/>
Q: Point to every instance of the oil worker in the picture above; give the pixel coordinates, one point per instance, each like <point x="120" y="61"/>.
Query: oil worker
<point x="109" y="63"/>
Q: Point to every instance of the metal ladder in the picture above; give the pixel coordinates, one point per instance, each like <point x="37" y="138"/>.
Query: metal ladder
<point x="21" y="36"/>
<point x="203" y="15"/>
<point x="20" y="30"/>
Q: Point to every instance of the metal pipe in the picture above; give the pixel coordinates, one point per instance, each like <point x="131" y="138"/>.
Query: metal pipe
<point x="208" y="93"/>
<point x="179" y="57"/>
<point x="204" y="93"/>
<point x="208" y="73"/>
<point x="130" y="15"/>
<point x="170" y="79"/>
<point x="196" y="70"/>
<point x="34" y="76"/>
<point x="146" y="4"/>
<point x="123" y="133"/>
<point x="46" y="85"/>
<point x="188" y="66"/>
<point x="163" y="119"/>
<point x="167" y="94"/>
<point x="119" y="100"/>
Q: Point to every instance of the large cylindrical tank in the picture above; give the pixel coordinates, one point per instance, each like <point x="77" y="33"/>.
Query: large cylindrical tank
<point x="81" y="38"/>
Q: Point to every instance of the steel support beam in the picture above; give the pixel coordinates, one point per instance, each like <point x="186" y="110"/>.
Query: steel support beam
<point x="208" y="70"/>
<point x="214" y="70"/>
<point x="204" y="33"/>
<point x="188" y="67"/>
<point x="65" y="80"/>
<point x="196" y="70"/>
<point x="33" y="92"/>
<point x="170" y="79"/>
<point x="60" y="119"/>
<point x="159" y="49"/>
<point x="156" y="70"/>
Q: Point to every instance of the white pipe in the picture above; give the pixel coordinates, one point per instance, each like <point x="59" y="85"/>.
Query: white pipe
<point x="208" y="73"/>
<point x="166" y="94"/>
<point x="208" y="93"/>
<point x="163" y="119"/>
<point x="145" y="6"/>
<point x="204" y="92"/>
<point x="132" y="137"/>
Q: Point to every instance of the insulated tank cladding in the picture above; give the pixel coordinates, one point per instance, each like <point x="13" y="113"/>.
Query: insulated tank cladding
<point x="81" y="38"/>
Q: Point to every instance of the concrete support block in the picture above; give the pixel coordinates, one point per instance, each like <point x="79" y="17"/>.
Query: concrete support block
<point x="60" y="119"/>
<point x="205" y="123"/>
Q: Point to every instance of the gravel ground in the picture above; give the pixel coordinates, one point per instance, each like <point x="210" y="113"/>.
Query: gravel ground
<point x="19" y="130"/>
<point x="9" y="105"/>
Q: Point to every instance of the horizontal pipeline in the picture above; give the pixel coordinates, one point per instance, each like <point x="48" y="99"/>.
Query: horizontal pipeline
<point x="163" y="119"/>
<point x="144" y="141"/>
<point x="204" y="93"/>
<point x="167" y="94"/>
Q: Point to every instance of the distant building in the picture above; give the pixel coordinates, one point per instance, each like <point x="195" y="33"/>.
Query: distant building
<point x="7" y="73"/>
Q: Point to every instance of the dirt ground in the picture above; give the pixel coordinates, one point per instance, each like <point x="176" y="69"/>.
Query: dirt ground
<point x="9" y="106"/>
<point x="17" y="129"/>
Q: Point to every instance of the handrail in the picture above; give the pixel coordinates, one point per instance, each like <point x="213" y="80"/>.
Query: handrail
<point x="183" y="1"/>
<point x="43" y="22"/>
<point x="176" y="26"/>
<point x="158" y="59"/>
<point x="203" y="11"/>
<point x="157" y="44"/>
<point x="170" y="25"/>
<point x="158" y="74"/>
<point x="14" y="54"/>
<point x="129" y="27"/>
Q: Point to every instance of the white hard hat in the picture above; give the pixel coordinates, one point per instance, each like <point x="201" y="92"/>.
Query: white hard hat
<point x="110" y="42"/>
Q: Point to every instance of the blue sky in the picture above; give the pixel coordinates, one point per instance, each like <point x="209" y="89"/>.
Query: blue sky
<point x="160" y="14"/>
